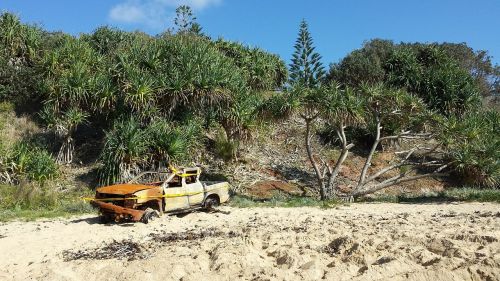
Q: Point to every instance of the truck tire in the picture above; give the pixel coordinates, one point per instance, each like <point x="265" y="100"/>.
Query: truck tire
<point x="211" y="202"/>
<point x="149" y="215"/>
<point x="103" y="219"/>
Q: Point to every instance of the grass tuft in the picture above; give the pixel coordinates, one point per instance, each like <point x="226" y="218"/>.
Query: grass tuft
<point x="241" y="201"/>
<point x="451" y="195"/>
<point x="29" y="202"/>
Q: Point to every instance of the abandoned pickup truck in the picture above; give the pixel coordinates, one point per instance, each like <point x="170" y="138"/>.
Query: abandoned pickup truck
<point x="152" y="193"/>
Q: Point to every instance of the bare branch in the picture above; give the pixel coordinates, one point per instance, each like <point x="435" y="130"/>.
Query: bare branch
<point x="404" y="162"/>
<point x="339" y="135"/>
<point x="326" y="167"/>
<point x="408" y="135"/>
<point x="399" y="179"/>
<point x="383" y="171"/>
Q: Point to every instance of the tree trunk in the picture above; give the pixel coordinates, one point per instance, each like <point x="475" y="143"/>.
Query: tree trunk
<point x="319" y="176"/>
<point x="65" y="155"/>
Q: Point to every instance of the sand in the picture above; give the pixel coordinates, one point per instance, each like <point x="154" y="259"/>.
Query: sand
<point x="356" y="242"/>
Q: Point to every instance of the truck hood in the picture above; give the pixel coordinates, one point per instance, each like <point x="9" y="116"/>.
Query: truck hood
<point x="122" y="189"/>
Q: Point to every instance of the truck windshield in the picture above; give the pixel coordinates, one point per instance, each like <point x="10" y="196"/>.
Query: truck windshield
<point x="150" y="178"/>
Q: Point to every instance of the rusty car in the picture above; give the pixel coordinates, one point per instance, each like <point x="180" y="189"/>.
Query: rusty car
<point x="150" y="194"/>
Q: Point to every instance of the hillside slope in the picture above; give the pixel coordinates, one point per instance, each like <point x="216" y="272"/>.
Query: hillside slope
<point x="275" y="163"/>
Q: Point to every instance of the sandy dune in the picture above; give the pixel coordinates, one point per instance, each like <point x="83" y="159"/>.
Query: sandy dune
<point x="356" y="242"/>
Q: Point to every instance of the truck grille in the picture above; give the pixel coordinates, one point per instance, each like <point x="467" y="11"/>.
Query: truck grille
<point x="118" y="202"/>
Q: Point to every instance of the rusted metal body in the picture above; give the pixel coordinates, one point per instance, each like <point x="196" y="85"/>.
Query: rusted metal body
<point x="117" y="213"/>
<point x="159" y="192"/>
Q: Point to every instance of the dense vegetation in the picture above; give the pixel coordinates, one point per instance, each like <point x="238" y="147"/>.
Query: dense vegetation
<point x="451" y="79"/>
<point x="152" y="95"/>
<point x="153" y="100"/>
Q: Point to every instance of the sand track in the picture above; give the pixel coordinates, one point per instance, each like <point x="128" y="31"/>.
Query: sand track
<point x="357" y="242"/>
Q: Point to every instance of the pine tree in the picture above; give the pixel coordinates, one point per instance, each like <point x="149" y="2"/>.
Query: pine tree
<point x="184" y="19"/>
<point x="306" y="67"/>
<point x="196" y="29"/>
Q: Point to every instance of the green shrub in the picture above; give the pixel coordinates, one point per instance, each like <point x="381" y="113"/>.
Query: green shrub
<point x="435" y="77"/>
<point x="262" y="70"/>
<point x="130" y="147"/>
<point x="30" y="196"/>
<point x="225" y="149"/>
<point x="28" y="161"/>
<point x="473" y="194"/>
<point x="124" y="150"/>
<point x="40" y="166"/>
<point x="6" y="106"/>
<point x="472" y="144"/>
<point x="19" y="50"/>
<point x="169" y="142"/>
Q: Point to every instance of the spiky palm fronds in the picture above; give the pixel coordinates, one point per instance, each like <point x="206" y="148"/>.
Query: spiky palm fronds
<point x="472" y="143"/>
<point x="130" y="147"/>
<point x="19" y="41"/>
<point x="433" y="76"/>
<point x="196" y="72"/>
<point x="262" y="71"/>
<point x="70" y="75"/>
<point x="170" y="142"/>
<point x="124" y="151"/>
<point x="343" y="107"/>
<point x="64" y="125"/>
<point x="399" y="110"/>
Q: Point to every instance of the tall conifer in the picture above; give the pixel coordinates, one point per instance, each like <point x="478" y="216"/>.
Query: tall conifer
<point x="306" y="67"/>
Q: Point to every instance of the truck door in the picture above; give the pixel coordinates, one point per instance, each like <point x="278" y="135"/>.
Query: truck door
<point x="194" y="187"/>
<point x="175" y="195"/>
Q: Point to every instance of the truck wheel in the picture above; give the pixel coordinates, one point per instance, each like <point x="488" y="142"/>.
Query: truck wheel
<point x="211" y="203"/>
<point x="105" y="219"/>
<point x="149" y="215"/>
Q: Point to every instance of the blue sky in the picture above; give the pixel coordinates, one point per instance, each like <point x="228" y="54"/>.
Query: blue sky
<point x="337" y="27"/>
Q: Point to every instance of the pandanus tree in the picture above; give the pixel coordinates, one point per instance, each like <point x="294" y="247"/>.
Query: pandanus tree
<point x="262" y="71"/>
<point x="20" y="42"/>
<point x="373" y="107"/>
<point x="131" y="147"/>
<point x="64" y="125"/>
<point x="472" y="146"/>
<point x="69" y="88"/>
<point x="20" y="49"/>
<point x="262" y="74"/>
<point x="329" y="103"/>
<point x="415" y="125"/>
<point x="167" y="83"/>
<point x="124" y="151"/>
<point x="340" y="108"/>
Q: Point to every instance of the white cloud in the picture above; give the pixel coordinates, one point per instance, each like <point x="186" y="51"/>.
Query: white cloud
<point x="127" y="13"/>
<point x="156" y="14"/>
<point x="195" y="4"/>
